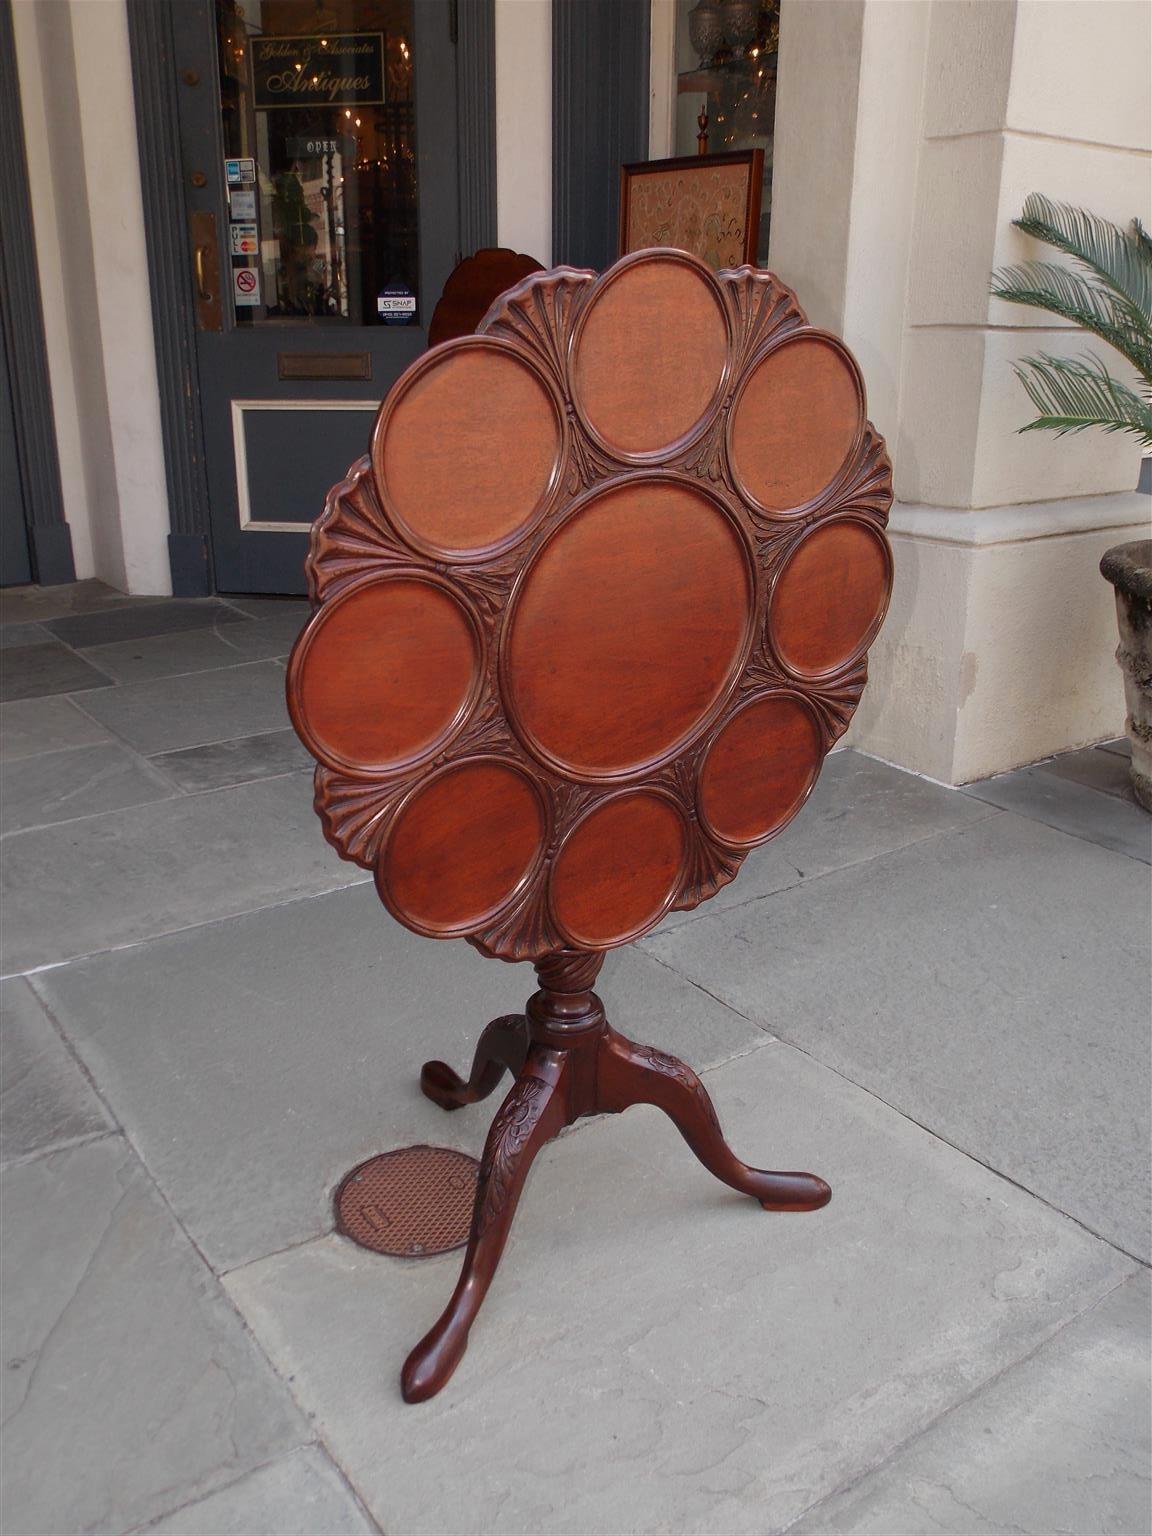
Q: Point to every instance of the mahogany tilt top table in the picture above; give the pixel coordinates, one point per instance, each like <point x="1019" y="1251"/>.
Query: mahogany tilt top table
<point x="587" y="620"/>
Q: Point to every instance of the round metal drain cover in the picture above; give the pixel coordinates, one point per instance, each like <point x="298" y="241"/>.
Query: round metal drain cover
<point x="413" y="1202"/>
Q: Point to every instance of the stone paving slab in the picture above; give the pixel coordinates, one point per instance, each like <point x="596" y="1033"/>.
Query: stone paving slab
<point x="45" y="725"/>
<point x="81" y="781"/>
<point x="23" y="634"/>
<point x="271" y="607"/>
<point x="168" y="713"/>
<point x="221" y="764"/>
<point x="1060" y="1443"/>
<point x="860" y="807"/>
<point x="1119" y="744"/>
<point x="35" y="671"/>
<point x="254" y="1062"/>
<point x="33" y="605"/>
<point x="91" y="885"/>
<point x="1094" y="768"/>
<point x="657" y="1354"/>
<point x="189" y="650"/>
<point x="44" y="1097"/>
<point x="269" y="636"/>
<point x="1106" y="820"/>
<point x="130" y="1385"/>
<point x="300" y="1495"/>
<point x="992" y="984"/>
<point x="136" y="621"/>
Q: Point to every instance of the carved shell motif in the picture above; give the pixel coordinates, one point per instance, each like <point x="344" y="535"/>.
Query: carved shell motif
<point x="595" y="607"/>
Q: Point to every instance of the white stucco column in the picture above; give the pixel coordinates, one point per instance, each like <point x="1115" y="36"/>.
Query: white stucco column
<point x="84" y="171"/>
<point x="908" y="134"/>
<point x="524" y="127"/>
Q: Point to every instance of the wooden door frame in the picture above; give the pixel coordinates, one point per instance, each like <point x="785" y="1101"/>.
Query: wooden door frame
<point x="22" y="316"/>
<point x="155" y="83"/>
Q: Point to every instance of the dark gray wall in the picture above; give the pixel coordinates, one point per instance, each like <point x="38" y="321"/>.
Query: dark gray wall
<point x="600" y="70"/>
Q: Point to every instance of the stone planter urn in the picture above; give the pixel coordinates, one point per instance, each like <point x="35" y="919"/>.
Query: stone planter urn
<point x="1129" y="568"/>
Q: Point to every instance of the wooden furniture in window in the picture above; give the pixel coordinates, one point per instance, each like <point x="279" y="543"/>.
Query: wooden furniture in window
<point x="588" y="619"/>
<point x="473" y="286"/>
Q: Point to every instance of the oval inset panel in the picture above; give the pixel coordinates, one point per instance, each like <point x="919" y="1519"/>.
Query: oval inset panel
<point x="628" y="628"/>
<point x="758" y="771"/>
<point x="618" y="870"/>
<point x="461" y="846"/>
<point x="467" y="452"/>
<point x="830" y="597"/>
<point x="383" y="674"/>
<point x="795" y="421"/>
<point x="630" y="376"/>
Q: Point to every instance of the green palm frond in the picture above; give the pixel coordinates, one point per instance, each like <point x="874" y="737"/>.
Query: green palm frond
<point x="1110" y="295"/>
<point x="1122" y="258"/>
<point x="1064" y="292"/>
<point x="1074" y="393"/>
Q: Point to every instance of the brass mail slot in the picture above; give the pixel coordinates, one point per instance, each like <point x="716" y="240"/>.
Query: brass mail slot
<point x="325" y="365"/>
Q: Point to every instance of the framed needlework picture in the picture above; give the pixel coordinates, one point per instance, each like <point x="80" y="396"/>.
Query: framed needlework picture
<point x="706" y="204"/>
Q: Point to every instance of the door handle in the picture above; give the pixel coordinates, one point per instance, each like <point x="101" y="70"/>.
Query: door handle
<point x="206" y="271"/>
<point x="201" y="286"/>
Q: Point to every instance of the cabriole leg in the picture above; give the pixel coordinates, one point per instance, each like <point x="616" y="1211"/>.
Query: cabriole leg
<point x="501" y="1048"/>
<point x="637" y="1074"/>
<point x="530" y="1116"/>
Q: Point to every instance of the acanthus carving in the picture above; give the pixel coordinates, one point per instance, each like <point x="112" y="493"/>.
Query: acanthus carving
<point x="865" y="489"/>
<point x="835" y="699"/>
<point x="352" y="537"/>
<point x="516" y="1120"/>
<point x="524" y="930"/>
<point x="355" y="812"/>
<point x="484" y="730"/>
<point x="487" y="585"/>
<point x="762" y="309"/>
<point x="587" y="461"/>
<point x="569" y="799"/>
<point x="763" y="672"/>
<point x="707" y="868"/>
<point x="540" y="313"/>
<point x="681" y="1073"/>
<point x="707" y="459"/>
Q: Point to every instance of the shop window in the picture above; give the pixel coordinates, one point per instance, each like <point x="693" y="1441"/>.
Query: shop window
<point x="726" y="53"/>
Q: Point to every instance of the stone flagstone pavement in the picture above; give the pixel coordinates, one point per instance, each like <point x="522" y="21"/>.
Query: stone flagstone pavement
<point x="938" y="1000"/>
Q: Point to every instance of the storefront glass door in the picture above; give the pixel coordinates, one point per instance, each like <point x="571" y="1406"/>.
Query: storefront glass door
<point x="319" y="139"/>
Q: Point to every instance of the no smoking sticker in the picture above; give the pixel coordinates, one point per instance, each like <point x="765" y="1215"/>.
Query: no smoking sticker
<point x="245" y="286"/>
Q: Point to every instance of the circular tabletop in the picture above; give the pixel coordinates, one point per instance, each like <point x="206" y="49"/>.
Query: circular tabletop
<point x="594" y="609"/>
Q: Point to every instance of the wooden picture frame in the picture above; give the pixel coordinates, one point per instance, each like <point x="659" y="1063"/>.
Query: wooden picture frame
<point x="706" y="204"/>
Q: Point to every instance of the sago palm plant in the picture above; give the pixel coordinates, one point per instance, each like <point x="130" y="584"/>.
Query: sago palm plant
<point x="1107" y="292"/>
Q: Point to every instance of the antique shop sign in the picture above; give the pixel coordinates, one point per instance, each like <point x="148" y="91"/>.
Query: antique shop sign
<point x="346" y="69"/>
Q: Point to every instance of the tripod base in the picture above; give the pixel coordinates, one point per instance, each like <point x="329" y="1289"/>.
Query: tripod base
<point x="568" y="1062"/>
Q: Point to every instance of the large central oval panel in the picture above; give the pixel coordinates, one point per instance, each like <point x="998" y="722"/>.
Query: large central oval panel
<point x="628" y="628"/>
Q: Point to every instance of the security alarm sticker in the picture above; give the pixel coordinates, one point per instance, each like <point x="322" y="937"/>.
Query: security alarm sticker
<point x="396" y="304"/>
<point x="240" y="173"/>
<point x="242" y="204"/>
<point x="245" y="285"/>
<point x="244" y="240"/>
